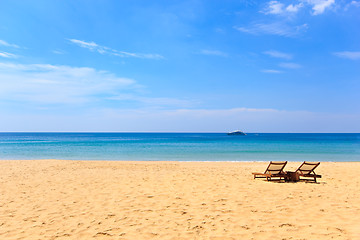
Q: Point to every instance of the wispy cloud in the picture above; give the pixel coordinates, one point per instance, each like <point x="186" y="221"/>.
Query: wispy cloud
<point x="6" y="44"/>
<point x="52" y="84"/>
<point x="278" y="8"/>
<point x="271" y="71"/>
<point x="214" y="53"/>
<point x="352" y="4"/>
<point x="275" y="28"/>
<point x="57" y="51"/>
<point x="7" y="55"/>
<point x="319" y="6"/>
<point x="290" y="65"/>
<point x="348" y="55"/>
<point x="92" y="46"/>
<point x="293" y="8"/>
<point x="277" y="54"/>
<point x="274" y="7"/>
<point x="46" y="84"/>
<point x="355" y="3"/>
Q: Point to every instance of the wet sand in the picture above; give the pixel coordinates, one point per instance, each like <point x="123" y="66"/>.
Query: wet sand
<point x="55" y="199"/>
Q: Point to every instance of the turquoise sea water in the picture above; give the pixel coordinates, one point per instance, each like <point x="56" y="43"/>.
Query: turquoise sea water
<point x="181" y="146"/>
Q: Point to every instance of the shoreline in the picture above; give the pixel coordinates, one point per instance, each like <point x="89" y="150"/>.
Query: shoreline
<point x="172" y="161"/>
<point x="76" y="199"/>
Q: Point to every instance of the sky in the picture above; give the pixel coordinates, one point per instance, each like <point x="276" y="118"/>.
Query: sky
<point x="180" y="66"/>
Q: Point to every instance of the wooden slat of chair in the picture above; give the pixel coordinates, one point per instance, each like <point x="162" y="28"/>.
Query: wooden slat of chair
<point x="268" y="175"/>
<point x="310" y="173"/>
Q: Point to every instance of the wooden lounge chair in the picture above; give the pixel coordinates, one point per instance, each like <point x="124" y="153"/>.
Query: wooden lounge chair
<point x="274" y="170"/>
<point x="306" y="169"/>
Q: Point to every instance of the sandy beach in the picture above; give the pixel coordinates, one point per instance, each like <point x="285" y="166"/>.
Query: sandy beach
<point x="58" y="199"/>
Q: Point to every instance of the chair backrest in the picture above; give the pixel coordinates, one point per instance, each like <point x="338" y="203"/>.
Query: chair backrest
<point x="275" y="167"/>
<point x="307" y="167"/>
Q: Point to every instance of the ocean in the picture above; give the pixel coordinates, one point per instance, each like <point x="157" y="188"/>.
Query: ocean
<point x="181" y="146"/>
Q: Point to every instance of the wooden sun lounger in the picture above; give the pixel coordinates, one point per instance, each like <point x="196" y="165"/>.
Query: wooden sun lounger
<point x="306" y="169"/>
<point x="274" y="170"/>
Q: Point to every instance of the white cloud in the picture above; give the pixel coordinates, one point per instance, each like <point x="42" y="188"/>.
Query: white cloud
<point x="46" y="84"/>
<point x="6" y="44"/>
<point x="294" y="8"/>
<point x="276" y="28"/>
<point x="278" y="54"/>
<point x="271" y="71"/>
<point x="319" y="6"/>
<point x="90" y="45"/>
<point x="106" y="50"/>
<point x="274" y="7"/>
<point x="60" y="52"/>
<point x="7" y="55"/>
<point x="348" y="55"/>
<point x="290" y="65"/>
<point x="278" y="8"/>
<point x="214" y="53"/>
<point x="51" y="84"/>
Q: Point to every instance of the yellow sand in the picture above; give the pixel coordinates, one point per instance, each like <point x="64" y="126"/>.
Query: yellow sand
<point x="52" y="199"/>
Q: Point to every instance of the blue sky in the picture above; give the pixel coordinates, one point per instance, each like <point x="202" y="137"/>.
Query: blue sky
<point x="180" y="66"/>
